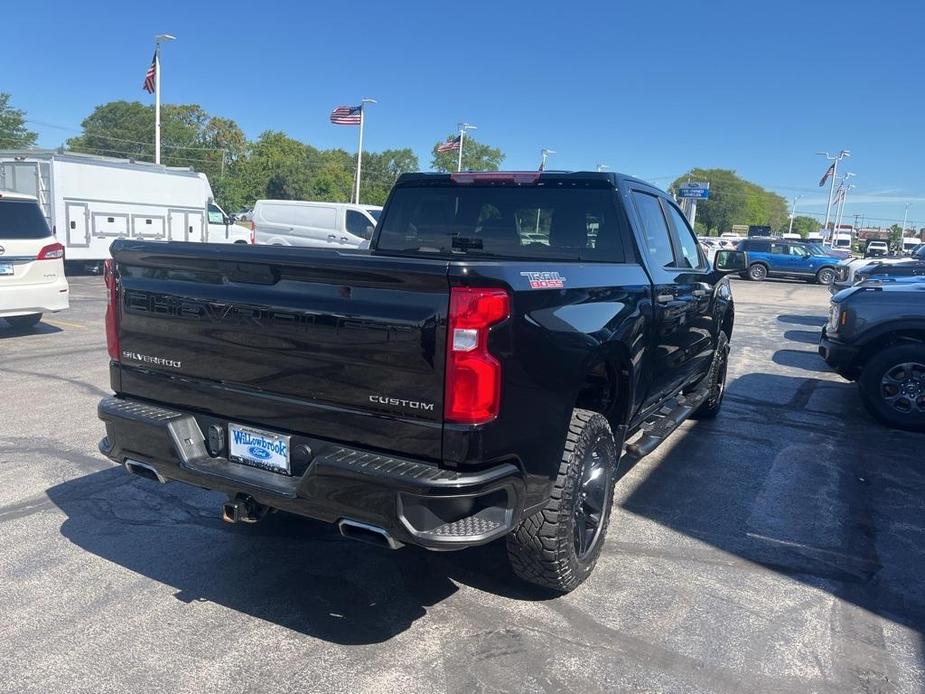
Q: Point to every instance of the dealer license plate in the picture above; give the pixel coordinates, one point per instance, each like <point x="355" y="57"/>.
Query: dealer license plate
<point x="258" y="448"/>
<point x="6" y="269"/>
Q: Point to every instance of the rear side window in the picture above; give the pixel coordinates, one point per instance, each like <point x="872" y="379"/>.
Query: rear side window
<point x="780" y="249"/>
<point x="511" y="221"/>
<point x="22" y="219"/>
<point x="756" y="246"/>
<point x="654" y="229"/>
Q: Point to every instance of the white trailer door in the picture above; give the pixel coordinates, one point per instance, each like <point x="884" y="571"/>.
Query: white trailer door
<point x="77" y="220"/>
<point x="195" y="226"/>
<point x="176" y="225"/>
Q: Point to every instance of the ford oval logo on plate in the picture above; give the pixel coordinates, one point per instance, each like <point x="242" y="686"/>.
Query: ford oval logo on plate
<point x="259" y="453"/>
<point x="259" y="448"/>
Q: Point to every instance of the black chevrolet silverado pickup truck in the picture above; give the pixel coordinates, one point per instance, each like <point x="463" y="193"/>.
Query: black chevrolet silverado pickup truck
<point x="476" y="374"/>
<point x="876" y="336"/>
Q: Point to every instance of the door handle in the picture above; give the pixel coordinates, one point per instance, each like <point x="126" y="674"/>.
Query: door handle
<point x="663" y="299"/>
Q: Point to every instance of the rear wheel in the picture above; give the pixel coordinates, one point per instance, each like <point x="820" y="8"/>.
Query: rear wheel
<point x="825" y="276"/>
<point x="558" y="546"/>
<point x="757" y="272"/>
<point x="892" y="386"/>
<point x="23" y="322"/>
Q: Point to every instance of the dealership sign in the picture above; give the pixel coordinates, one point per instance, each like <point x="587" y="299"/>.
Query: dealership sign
<point x="693" y="189"/>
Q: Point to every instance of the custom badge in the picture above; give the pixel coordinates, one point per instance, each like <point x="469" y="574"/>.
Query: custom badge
<point x="544" y="280"/>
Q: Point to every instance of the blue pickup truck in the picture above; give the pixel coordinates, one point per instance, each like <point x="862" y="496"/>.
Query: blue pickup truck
<point x="769" y="257"/>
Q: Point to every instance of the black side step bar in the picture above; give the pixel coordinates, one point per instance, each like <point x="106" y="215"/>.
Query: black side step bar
<point x="661" y="426"/>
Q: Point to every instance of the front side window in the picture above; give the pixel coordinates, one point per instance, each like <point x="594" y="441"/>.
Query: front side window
<point x="359" y="224"/>
<point x="654" y="229"/>
<point x="690" y="254"/>
<point x="215" y="215"/>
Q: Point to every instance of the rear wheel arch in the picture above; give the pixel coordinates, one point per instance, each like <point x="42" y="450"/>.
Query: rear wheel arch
<point x="606" y="387"/>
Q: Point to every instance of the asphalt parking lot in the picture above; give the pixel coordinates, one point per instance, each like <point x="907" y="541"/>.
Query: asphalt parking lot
<point x="779" y="547"/>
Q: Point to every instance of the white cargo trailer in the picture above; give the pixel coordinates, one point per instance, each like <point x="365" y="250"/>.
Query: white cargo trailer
<point x="89" y="201"/>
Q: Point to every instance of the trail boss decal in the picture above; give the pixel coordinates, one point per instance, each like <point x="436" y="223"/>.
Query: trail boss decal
<point x="544" y="280"/>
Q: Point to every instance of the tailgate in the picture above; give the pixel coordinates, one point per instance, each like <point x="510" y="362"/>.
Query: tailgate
<point x="344" y="346"/>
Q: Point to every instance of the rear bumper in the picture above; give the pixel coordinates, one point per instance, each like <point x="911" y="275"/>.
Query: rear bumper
<point x="838" y="355"/>
<point x="415" y="502"/>
<point x="23" y="299"/>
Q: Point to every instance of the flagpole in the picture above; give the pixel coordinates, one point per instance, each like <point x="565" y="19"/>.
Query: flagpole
<point x="462" y="138"/>
<point x="157" y="102"/>
<point x="834" y="158"/>
<point x="363" y="103"/>
<point x="157" y="94"/>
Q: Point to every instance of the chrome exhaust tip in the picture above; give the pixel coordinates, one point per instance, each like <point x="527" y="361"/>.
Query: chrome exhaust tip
<point x="136" y="467"/>
<point x="370" y="534"/>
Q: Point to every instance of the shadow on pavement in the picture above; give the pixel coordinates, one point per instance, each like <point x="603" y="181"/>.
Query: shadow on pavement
<point x="807" y="337"/>
<point x="7" y="331"/>
<point x="800" y="359"/>
<point x="846" y="519"/>
<point x="288" y="570"/>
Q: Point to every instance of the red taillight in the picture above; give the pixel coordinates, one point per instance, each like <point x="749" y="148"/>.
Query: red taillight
<point x="473" y="375"/>
<point x="54" y="251"/>
<point x="112" y="309"/>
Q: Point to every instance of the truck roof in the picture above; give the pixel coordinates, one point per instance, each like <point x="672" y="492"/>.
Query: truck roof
<point x="81" y="158"/>
<point x="524" y="177"/>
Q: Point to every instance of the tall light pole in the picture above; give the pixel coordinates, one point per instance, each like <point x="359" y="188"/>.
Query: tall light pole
<point x="905" y="216"/>
<point x="793" y="212"/>
<point x="463" y="127"/>
<point x="363" y="103"/>
<point x="545" y="154"/>
<point x="160" y="38"/>
<point x="841" y="209"/>
<point x="834" y="158"/>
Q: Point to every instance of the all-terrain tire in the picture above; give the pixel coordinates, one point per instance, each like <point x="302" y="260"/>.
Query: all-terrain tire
<point x="542" y="549"/>
<point x="871" y="386"/>
<point x="717" y="379"/>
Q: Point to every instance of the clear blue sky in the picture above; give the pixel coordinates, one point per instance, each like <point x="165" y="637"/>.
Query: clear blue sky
<point x="649" y="88"/>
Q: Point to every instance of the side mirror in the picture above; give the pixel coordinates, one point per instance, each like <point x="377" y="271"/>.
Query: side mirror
<point x="230" y="219"/>
<point x="369" y="231"/>
<point x="730" y="261"/>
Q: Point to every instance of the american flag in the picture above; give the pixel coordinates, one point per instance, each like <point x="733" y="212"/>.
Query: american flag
<point x="828" y="172"/>
<point x="839" y="195"/>
<point x="346" y="115"/>
<point x="148" y="86"/>
<point x="450" y="145"/>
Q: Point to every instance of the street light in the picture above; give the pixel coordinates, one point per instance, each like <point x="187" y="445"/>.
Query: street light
<point x="158" y="40"/>
<point x="545" y="153"/>
<point x="463" y="127"/>
<point x="793" y="212"/>
<point x="834" y="158"/>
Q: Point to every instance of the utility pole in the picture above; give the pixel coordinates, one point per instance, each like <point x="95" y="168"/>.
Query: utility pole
<point x="463" y="127"/>
<point x="834" y="158"/>
<point x="157" y="93"/>
<point x="363" y="103"/>
<point x="793" y="212"/>
<point x="906" y="215"/>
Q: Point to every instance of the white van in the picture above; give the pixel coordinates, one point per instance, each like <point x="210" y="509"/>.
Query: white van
<point x="318" y="224"/>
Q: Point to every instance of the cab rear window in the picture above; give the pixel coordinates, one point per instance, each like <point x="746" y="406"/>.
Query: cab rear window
<point x="22" y="219"/>
<point x="507" y="221"/>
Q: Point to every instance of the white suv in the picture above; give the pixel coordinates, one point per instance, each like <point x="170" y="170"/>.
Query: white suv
<point x="32" y="278"/>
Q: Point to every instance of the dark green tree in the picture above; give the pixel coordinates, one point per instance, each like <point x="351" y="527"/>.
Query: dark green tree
<point x="803" y="225"/>
<point x="476" y="156"/>
<point x="13" y="131"/>
<point x="733" y="200"/>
